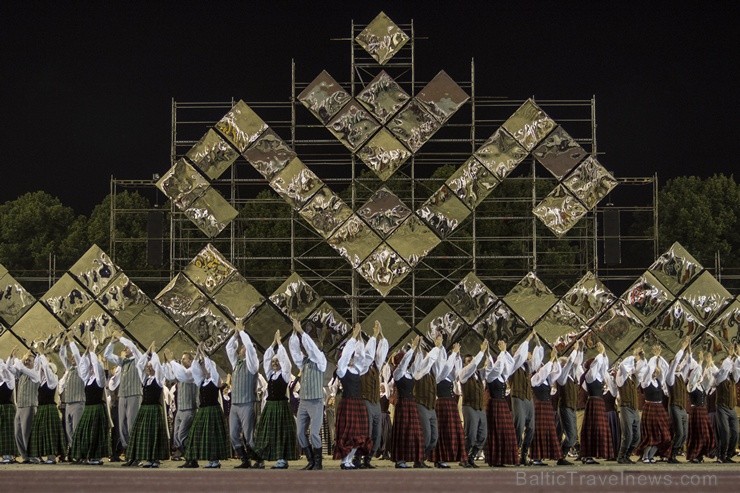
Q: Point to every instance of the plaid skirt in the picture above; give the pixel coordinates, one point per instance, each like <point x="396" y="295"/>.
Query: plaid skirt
<point x="501" y="447"/>
<point x="451" y="443"/>
<point x="596" y="436"/>
<point x="275" y="437"/>
<point x="407" y="441"/>
<point x="654" y="429"/>
<point x="353" y="427"/>
<point x="701" y="440"/>
<point x="546" y="444"/>
<point x="148" y="438"/>
<point x="7" y="430"/>
<point x="208" y="439"/>
<point x="385" y="434"/>
<point x="47" y="434"/>
<point x="91" y="439"/>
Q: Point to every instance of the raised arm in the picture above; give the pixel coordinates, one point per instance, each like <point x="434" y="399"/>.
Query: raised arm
<point x="131" y="345"/>
<point x="572" y="358"/>
<point x="423" y="365"/>
<point x="252" y="361"/>
<point x="314" y="353"/>
<point x="520" y="356"/>
<point x="347" y="353"/>
<point x="403" y="366"/>
<point x="231" y="346"/>
<point x="467" y="371"/>
<point x="114" y="359"/>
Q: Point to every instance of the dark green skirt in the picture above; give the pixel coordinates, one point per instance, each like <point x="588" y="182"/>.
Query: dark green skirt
<point x="7" y="430"/>
<point x="208" y="439"/>
<point x="47" y="434"/>
<point x="275" y="437"/>
<point x="148" y="439"/>
<point x="91" y="439"/>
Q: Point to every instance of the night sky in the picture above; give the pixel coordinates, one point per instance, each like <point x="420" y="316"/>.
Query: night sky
<point x="86" y="87"/>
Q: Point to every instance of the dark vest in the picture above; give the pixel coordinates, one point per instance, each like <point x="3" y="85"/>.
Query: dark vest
<point x="371" y="385"/>
<point x="208" y="395"/>
<point x="445" y="390"/>
<point x="677" y="393"/>
<point x="610" y="402"/>
<point x="698" y="397"/>
<point x="497" y="390"/>
<point x="405" y="388"/>
<point x="595" y="389"/>
<point x="542" y="392"/>
<point x="46" y="395"/>
<point x="151" y="394"/>
<point x="93" y="394"/>
<point x="472" y="392"/>
<point x="6" y="394"/>
<point x="521" y="383"/>
<point x="628" y="393"/>
<point x="727" y="394"/>
<point x="277" y="389"/>
<point x="653" y="393"/>
<point x="351" y="388"/>
<point x="425" y="391"/>
<point x="385" y="405"/>
<point x="569" y="394"/>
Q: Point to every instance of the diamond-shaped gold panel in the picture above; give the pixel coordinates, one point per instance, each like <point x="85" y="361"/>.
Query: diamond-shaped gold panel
<point x="706" y="297"/>
<point x="237" y="298"/>
<point x="3" y="271"/>
<point x="324" y="97"/>
<point x="182" y="184"/>
<point x="559" y="153"/>
<point x="676" y="268"/>
<point x="384" y="269"/>
<point x="332" y="325"/>
<point x="209" y="270"/>
<point x="472" y="182"/>
<point x="529" y="124"/>
<point x="95" y="321"/>
<point x="326" y="211"/>
<point x="501" y="323"/>
<point x="296" y="184"/>
<point x="384" y="154"/>
<point x="677" y="322"/>
<point x="647" y="297"/>
<point x="295" y="297"/>
<point x="353" y="126"/>
<point x="211" y="213"/>
<point x="181" y="299"/>
<point x="442" y="320"/>
<point x="382" y="38"/>
<point x="209" y="326"/>
<point x="212" y="155"/>
<point x="383" y="97"/>
<point x="8" y="341"/>
<point x="179" y="344"/>
<point x="618" y="327"/>
<point x="94" y="270"/>
<point x="725" y="328"/>
<point x="393" y="325"/>
<point x="413" y="240"/>
<point x="354" y="240"/>
<point x="37" y="323"/>
<point x="151" y="325"/>
<point x="269" y="154"/>
<point x="384" y="212"/>
<point x="123" y="299"/>
<point x="560" y="324"/>
<point x="589" y="298"/>
<point x="470" y="298"/>
<point x="590" y="182"/>
<point x="414" y="125"/>
<point x="501" y="154"/>
<point x="67" y="299"/>
<point x="241" y="126"/>
<point x="443" y="211"/>
<point x="530" y="298"/>
<point x="442" y="96"/>
<point x="559" y="211"/>
<point x="14" y="299"/>
<point x="263" y="323"/>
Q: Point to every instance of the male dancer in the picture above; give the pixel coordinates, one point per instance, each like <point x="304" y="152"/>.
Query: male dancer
<point x="474" y="416"/>
<point x="522" y="406"/>
<point x="725" y="380"/>
<point x="629" y="373"/>
<point x="677" y="379"/>
<point x="568" y="390"/>
<point x="425" y="393"/>
<point x="72" y="392"/>
<point x="129" y="388"/>
<point x="26" y="396"/>
<point x="187" y="398"/>
<point x="375" y="353"/>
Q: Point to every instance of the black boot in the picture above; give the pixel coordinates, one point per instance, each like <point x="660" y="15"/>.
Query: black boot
<point x="472" y="453"/>
<point x="317" y="460"/>
<point x="523" y="459"/>
<point x="308" y="451"/>
<point x="258" y="462"/>
<point x="245" y="462"/>
<point x="366" y="463"/>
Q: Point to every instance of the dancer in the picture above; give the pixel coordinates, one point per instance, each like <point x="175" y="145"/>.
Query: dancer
<point x="501" y="448"/>
<point x="8" y="447"/>
<point x="474" y="417"/>
<point x="312" y="366"/>
<point x="628" y="375"/>
<point x="568" y="402"/>
<point x="376" y="350"/>
<point x="654" y="428"/>
<point x="676" y="379"/>
<point x="47" y="435"/>
<point x="27" y="398"/>
<point x="700" y="440"/>
<point x="187" y="398"/>
<point x="129" y="387"/>
<point x="725" y="381"/>
<point x="425" y="393"/>
<point x="611" y="394"/>
<point x="596" y="439"/>
<point x="407" y="442"/>
<point x="72" y="391"/>
<point x="522" y="406"/>
<point x="386" y="427"/>
<point x="545" y="444"/>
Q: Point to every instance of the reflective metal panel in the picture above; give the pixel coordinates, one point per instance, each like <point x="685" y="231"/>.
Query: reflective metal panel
<point x="324" y="97"/>
<point x="237" y="298"/>
<point x="384" y="269"/>
<point x="211" y="213"/>
<point x="331" y="324"/>
<point x="530" y="298"/>
<point x="676" y="268"/>
<point x="212" y="154"/>
<point x="382" y="38"/>
<point x="263" y="323"/>
<point x="209" y="326"/>
<point x="442" y="96"/>
<point x="8" y="341"/>
<point x="3" y="271"/>
<point x="414" y="125"/>
<point x="677" y="322"/>
<point x="559" y="325"/>
<point x="353" y="125"/>
<point x="383" y="154"/>
<point x="94" y="270"/>
<point x="404" y="342"/>
<point x="559" y="153"/>
<point x="209" y="270"/>
<point x="393" y="325"/>
<point x="67" y="299"/>
<point x="241" y="126"/>
<point x="181" y="299"/>
<point x="618" y="327"/>
<point x="529" y="124"/>
<point x="724" y="328"/>
<point x="590" y="182"/>
<point x="589" y="297"/>
<point x="179" y="344"/>
<point x="501" y="154"/>
<point x="650" y="338"/>
<point x="295" y="297"/>
<point x="413" y="240"/>
<point x="384" y="212"/>
<point x="182" y="184"/>
<point x="296" y="183"/>
<point x="354" y="240"/>
<point x="590" y="340"/>
<point x="123" y="299"/>
<point x="501" y="323"/>
<point x="559" y="211"/>
<point x="36" y="324"/>
<point x="14" y="300"/>
<point x="706" y="297"/>
<point x="472" y="182"/>
<point x="443" y="211"/>
<point x="96" y="322"/>
<point x="269" y="154"/>
<point x="470" y="342"/>
<point x="325" y="212"/>
<point x="383" y="97"/>
<point x="647" y="297"/>
<point x="470" y="298"/>
<point x="442" y="320"/>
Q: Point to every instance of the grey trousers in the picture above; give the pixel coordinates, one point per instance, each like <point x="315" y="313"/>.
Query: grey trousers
<point x="241" y="423"/>
<point x="23" y="421"/>
<point x="430" y="432"/>
<point x="523" y="411"/>
<point x="310" y="417"/>
<point x="72" y="414"/>
<point x="128" y="408"/>
<point x="726" y="419"/>
<point x="679" y="427"/>
<point x="181" y="428"/>
<point x="629" y="423"/>
<point x="376" y="427"/>
<point x="475" y="427"/>
<point x="569" y="427"/>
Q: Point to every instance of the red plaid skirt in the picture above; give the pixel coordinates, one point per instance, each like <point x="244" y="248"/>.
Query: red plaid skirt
<point x="501" y="447"/>
<point x="596" y="436"/>
<point x="353" y="427"/>
<point x="546" y="444"/>
<point x="451" y="444"/>
<point x="407" y="441"/>
<point x="701" y="440"/>
<point x="654" y="429"/>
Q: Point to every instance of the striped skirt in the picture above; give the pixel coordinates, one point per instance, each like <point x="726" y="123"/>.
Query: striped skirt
<point x="451" y="443"/>
<point x="7" y="430"/>
<point x="654" y="429"/>
<point x="407" y="441"/>
<point x="501" y="447"/>
<point x="275" y="437"/>
<point x="91" y="439"/>
<point x="148" y="438"/>
<point x="546" y="444"/>
<point x="701" y="439"/>
<point x="47" y="434"/>
<point x="207" y="439"/>
<point x="596" y="436"/>
<point x="353" y="427"/>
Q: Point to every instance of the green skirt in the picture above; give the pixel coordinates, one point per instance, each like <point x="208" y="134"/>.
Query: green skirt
<point x="208" y="439"/>
<point x="91" y="439"/>
<point x="47" y="434"/>
<point x="7" y="430"/>
<point x="275" y="437"/>
<point x="148" y="438"/>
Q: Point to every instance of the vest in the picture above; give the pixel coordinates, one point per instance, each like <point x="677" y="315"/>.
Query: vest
<point x="472" y="393"/>
<point x="521" y="384"/>
<point x="187" y="396"/>
<point x="351" y="388"/>
<point x="385" y="405"/>
<point x="610" y="402"/>
<point x="727" y="394"/>
<point x="425" y="391"/>
<point x="653" y="393"/>
<point x="93" y="394"/>
<point x="46" y="395"/>
<point x="445" y="390"/>
<point x="243" y="384"/>
<point x="370" y="382"/>
<point x="595" y="389"/>
<point x="628" y="393"/>
<point x="277" y="389"/>
<point x="6" y="394"/>
<point x="677" y="393"/>
<point x="312" y="381"/>
<point x="542" y="392"/>
<point x="208" y="395"/>
<point x="151" y="394"/>
<point x="698" y="397"/>
<point x="405" y="388"/>
<point x="569" y="394"/>
<point x="26" y="392"/>
<point x="130" y="381"/>
<point x="497" y="390"/>
<point x="74" y="389"/>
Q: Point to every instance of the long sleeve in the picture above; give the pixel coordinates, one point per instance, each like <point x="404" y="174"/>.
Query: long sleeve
<point x="424" y="365"/>
<point x="158" y="369"/>
<point x="97" y="370"/>
<point x="368" y="354"/>
<point x="439" y="366"/>
<point x="540" y="376"/>
<point x="725" y="370"/>
<point x="381" y="353"/>
<point x="6" y="376"/>
<point x="347" y="353"/>
<point x="597" y="370"/>
<point x="51" y="378"/>
<point x="294" y="345"/>
<point x="314" y="353"/>
<point x="141" y="362"/>
<point x="63" y="356"/>
<point x="611" y="385"/>
<point x="285" y="366"/>
<point x="197" y="372"/>
<point x="469" y="370"/>
<point x="446" y="372"/>
<point x="567" y="369"/>
<point x="180" y="373"/>
<point x="647" y="377"/>
<point x="130" y="345"/>
<point x="520" y="356"/>
<point x="32" y="374"/>
<point x="403" y="366"/>
<point x="213" y="372"/>
<point x="112" y="358"/>
<point x="538" y="354"/>
<point x="501" y="369"/>
<point x="231" y="346"/>
<point x="670" y="375"/>
<point x="626" y="367"/>
<point x="252" y="360"/>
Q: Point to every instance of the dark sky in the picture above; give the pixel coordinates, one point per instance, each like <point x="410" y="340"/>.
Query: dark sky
<point x="86" y="87"/>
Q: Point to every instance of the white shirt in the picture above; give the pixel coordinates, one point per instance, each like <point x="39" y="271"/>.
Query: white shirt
<point x="117" y="360"/>
<point x="314" y="353"/>
<point x="250" y="359"/>
<point x="468" y="371"/>
<point x="501" y="370"/>
<point x="285" y="366"/>
<point x="207" y="374"/>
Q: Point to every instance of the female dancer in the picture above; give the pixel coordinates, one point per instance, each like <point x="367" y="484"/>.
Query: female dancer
<point x="47" y="434"/>
<point x="655" y="432"/>
<point x="407" y="443"/>
<point x="546" y="444"/>
<point x="596" y="436"/>
<point x="501" y="446"/>
<point x="701" y="434"/>
<point x="8" y="448"/>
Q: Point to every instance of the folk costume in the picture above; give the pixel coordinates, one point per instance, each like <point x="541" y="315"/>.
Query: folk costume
<point x="451" y="437"/>
<point x="628" y="375"/>
<point x="26" y="402"/>
<point x="596" y="439"/>
<point x="545" y="444"/>
<point x="72" y="392"/>
<point x="701" y="441"/>
<point x="655" y="430"/>
<point x="370" y="380"/>
<point x="186" y="404"/>
<point x="568" y="402"/>
<point x="8" y="447"/>
<point x="47" y="435"/>
<point x="676" y="380"/>
<point x="407" y="442"/>
<point x="129" y="388"/>
<point x="611" y="394"/>
<point x="725" y="380"/>
<point x="472" y="383"/>
<point x="425" y="393"/>
<point x="242" y="415"/>
<point x="522" y="405"/>
<point x="501" y="445"/>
